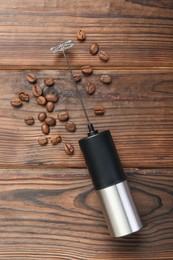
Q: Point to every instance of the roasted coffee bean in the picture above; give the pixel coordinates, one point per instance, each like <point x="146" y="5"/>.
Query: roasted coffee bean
<point x="16" y="102"/>
<point x="106" y="79"/>
<point x="37" y="91"/>
<point x="68" y="148"/>
<point x="81" y="35"/>
<point x="29" y="120"/>
<point x="31" y="78"/>
<point x="99" y="110"/>
<point x="24" y="96"/>
<point x="63" y="116"/>
<point x="50" y="121"/>
<point x="87" y="70"/>
<point x="42" y="140"/>
<point x="55" y="139"/>
<point x="41" y="100"/>
<point x="90" y="88"/>
<point x="45" y="129"/>
<point x="42" y="116"/>
<point x="77" y="77"/>
<point x="103" y="55"/>
<point x="50" y="106"/>
<point x="70" y="126"/>
<point x="94" y="48"/>
<point x="52" y="97"/>
<point x="49" y="82"/>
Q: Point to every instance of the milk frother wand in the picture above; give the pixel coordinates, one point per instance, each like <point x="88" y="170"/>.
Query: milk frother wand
<point x="106" y="171"/>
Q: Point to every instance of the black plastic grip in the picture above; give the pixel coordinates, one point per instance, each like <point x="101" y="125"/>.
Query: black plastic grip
<point x="102" y="160"/>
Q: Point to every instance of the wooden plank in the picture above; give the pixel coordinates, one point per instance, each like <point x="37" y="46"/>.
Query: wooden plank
<point x="55" y="214"/>
<point x="138" y="107"/>
<point x="135" y="33"/>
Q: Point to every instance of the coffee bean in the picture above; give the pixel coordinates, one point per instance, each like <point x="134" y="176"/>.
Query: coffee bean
<point x="103" y="55"/>
<point x="90" y="88"/>
<point x="45" y="129"/>
<point x="42" y="116"/>
<point x="94" y="48"/>
<point x="42" y="140"/>
<point x="50" y="121"/>
<point x="68" y="148"/>
<point x="49" y="82"/>
<point x="81" y="35"/>
<point x="31" y="78"/>
<point x="37" y="91"/>
<point x="63" y="116"/>
<point x="52" y="97"/>
<point x="77" y="77"/>
<point x="87" y="70"/>
<point x="70" y="126"/>
<point x="29" y="120"/>
<point x="99" y="110"/>
<point x="24" y="96"/>
<point x="50" y="106"/>
<point x="55" y="139"/>
<point x="16" y="102"/>
<point x="41" y="100"/>
<point x="106" y="79"/>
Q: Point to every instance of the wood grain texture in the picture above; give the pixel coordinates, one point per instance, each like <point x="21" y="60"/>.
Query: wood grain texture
<point x="138" y="112"/>
<point x="48" y="207"/>
<point x="135" y="33"/>
<point x="55" y="214"/>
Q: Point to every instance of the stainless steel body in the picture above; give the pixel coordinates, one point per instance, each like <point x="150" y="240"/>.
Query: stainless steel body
<point x="119" y="209"/>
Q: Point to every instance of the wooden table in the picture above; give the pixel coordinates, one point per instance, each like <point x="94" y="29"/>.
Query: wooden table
<point x="48" y="207"/>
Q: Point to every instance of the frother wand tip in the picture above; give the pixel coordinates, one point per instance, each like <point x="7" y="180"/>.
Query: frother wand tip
<point x="61" y="47"/>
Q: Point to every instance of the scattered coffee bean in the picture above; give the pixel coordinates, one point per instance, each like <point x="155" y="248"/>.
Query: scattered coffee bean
<point x="106" y="79"/>
<point x="50" y="121"/>
<point x="31" y="78"/>
<point x="81" y="35"/>
<point x="87" y="70"/>
<point x="41" y="100"/>
<point x="16" y="102"/>
<point x="45" y="129"/>
<point x="42" y="140"/>
<point x="103" y="55"/>
<point x="49" y="82"/>
<point x="94" y="48"/>
<point x="55" y="139"/>
<point x="99" y="110"/>
<point x="68" y="148"/>
<point x="37" y="91"/>
<point x="77" y="77"/>
<point x="24" y="96"/>
<point x="90" y="88"/>
<point x="42" y="116"/>
<point x="70" y="126"/>
<point x="52" y="97"/>
<point x="29" y="120"/>
<point x="63" y="116"/>
<point x="50" y="106"/>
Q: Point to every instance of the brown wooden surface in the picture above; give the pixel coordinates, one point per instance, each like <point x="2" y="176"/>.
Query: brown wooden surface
<point x="48" y="207"/>
<point x="56" y="214"/>
<point x="135" y="33"/>
<point x="139" y="116"/>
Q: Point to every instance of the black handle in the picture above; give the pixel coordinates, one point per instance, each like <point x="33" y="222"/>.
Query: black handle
<point x="102" y="160"/>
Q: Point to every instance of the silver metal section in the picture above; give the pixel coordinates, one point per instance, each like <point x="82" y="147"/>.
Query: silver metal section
<point x="61" y="48"/>
<point x="119" y="210"/>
